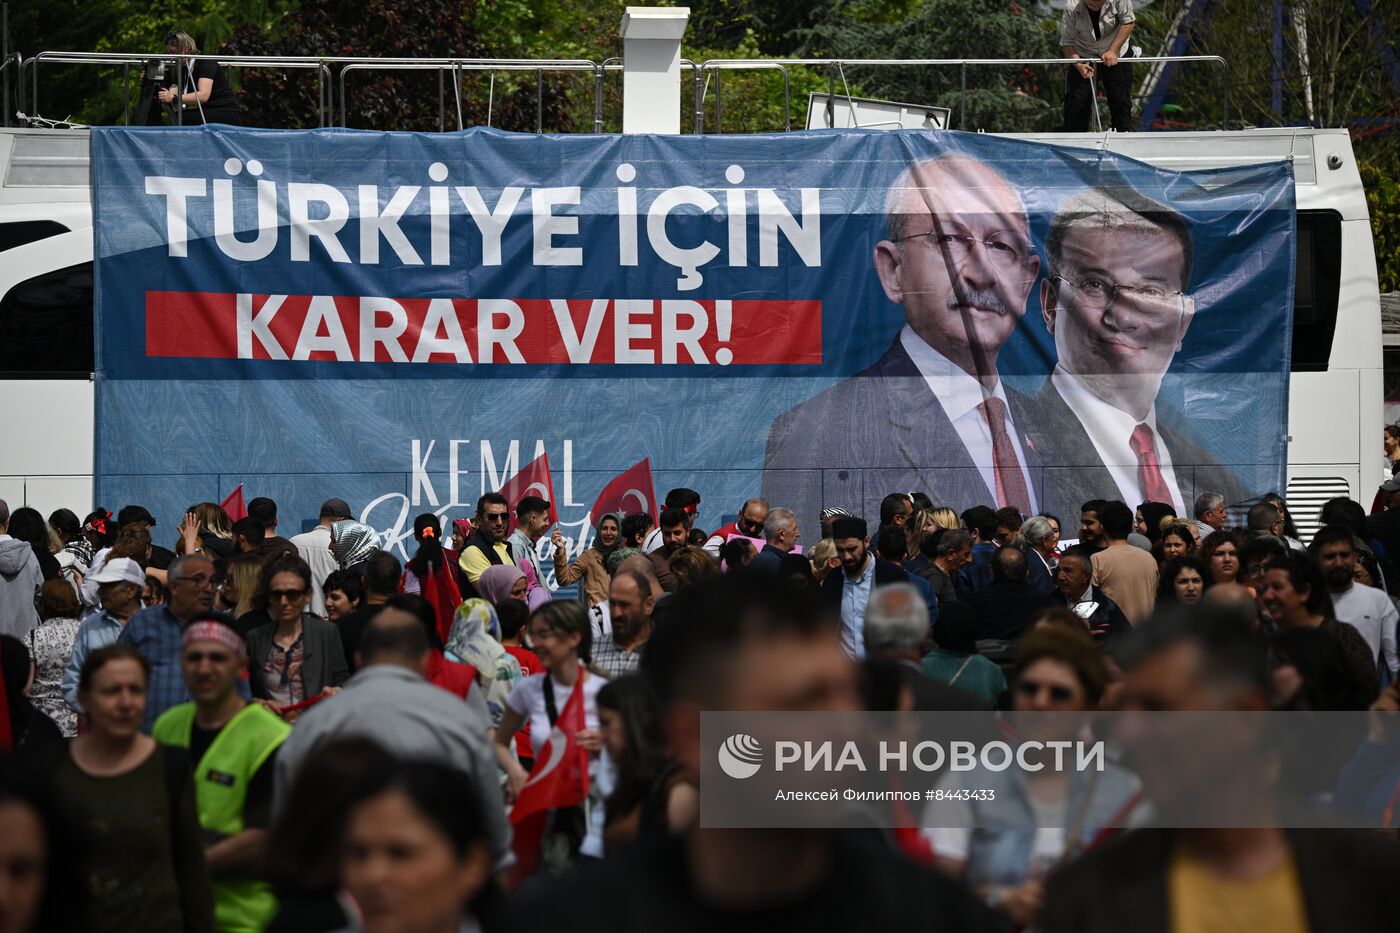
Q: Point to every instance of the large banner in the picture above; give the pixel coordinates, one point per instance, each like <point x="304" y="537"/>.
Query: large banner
<point x="821" y="318"/>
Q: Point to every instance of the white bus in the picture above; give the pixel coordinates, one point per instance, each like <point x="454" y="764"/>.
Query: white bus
<point x="1335" y="393"/>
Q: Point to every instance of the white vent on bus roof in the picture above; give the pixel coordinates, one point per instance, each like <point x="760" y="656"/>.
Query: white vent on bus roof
<point x="48" y="160"/>
<point x="1306" y="496"/>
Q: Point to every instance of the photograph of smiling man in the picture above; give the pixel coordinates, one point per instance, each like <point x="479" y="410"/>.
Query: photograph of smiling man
<point x="932" y="413"/>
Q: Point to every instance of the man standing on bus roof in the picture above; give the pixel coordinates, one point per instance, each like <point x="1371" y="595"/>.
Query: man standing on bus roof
<point x="1116" y="303"/>
<point x="932" y="413"/>
<point x="1098" y="29"/>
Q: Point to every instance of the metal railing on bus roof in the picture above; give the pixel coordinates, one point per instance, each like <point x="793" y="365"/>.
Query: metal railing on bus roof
<point x="457" y="66"/>
<point x="837" y="66"/>
<point x="701" y="75"/>
<point x="126" y="60"/>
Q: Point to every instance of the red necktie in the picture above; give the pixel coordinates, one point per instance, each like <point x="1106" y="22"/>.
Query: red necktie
<point x="1144" y="445"/>
<point x="1011" y="483"/>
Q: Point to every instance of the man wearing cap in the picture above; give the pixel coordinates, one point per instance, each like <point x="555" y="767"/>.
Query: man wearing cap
<point x="120" y="583"/>
<point x="314" y="546"/>
<point x="138" y="515"/>
<point x="533" y="516"/>
<point x="156" y="633"/>
<point x="233" y="744"/>
<point x="861" y="572"/>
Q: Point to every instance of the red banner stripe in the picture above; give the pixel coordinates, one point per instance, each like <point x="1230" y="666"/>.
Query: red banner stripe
<point x="210" y="325"/>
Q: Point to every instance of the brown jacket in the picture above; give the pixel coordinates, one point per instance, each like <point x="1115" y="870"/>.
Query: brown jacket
<point x="589" y="568"/>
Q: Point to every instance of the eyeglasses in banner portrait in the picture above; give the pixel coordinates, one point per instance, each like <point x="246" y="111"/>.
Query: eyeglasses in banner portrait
<point x="404" y="320"/>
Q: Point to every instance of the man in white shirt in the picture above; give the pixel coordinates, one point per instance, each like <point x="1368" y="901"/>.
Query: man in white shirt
<point x="932" y="413"/>
<point x="314" y="546"/>
<point x="1364" y="608"/>
<point x="1115" y="301"/>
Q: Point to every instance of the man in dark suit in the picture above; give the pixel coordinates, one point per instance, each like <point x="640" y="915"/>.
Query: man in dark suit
<point x="1075" y="591"/>
<point x="861" y="572"/>
<point x="1008" y="605"/>
<point x="932" y="412"/>
<point x="1115" y="301"/>
<point x="1200" y="878"/>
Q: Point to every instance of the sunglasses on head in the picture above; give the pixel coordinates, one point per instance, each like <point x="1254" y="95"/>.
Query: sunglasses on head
<point x="1058" y="692"/>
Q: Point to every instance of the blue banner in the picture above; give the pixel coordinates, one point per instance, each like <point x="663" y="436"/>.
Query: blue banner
<point x="405" y="320"/>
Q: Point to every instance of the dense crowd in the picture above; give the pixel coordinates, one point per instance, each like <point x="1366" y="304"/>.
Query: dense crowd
<point x="247" y="732"/>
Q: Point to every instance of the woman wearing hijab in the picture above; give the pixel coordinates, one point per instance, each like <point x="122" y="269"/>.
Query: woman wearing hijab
<point x="501" y="582"/>
<point x="352" y="544"/>
<point x="469" y="642"/>
<point x="592" y="565"/>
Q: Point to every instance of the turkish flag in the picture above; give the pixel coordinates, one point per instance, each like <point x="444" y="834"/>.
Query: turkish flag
<point x="234" y="506"/>
<point x="533" y="480"/>
<point x="440" y="589"/>
<point x="559" y="779"/>
<point x="633" y="491"/>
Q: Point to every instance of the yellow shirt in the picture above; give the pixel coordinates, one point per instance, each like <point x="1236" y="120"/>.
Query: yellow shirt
<point x="1201" y="902"/>
<point x="474" y="563"/>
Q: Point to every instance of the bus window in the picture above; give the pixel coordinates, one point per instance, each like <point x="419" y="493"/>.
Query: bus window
<point x="46" y="326"/>
<point x="21" y="232"/>
<point x="1317" y="284"/>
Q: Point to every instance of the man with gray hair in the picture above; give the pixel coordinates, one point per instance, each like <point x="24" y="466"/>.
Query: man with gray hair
<point x="1117" y="303"/>
<point x="933" y="412"/>
<point x="20" y="581"/>
<point x="781" y="534"/>
<point x="896" y="630"/>
<point x="1210" y="513"/>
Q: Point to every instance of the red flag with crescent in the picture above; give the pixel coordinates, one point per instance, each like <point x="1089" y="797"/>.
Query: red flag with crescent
<point x="533" y="480"/>
<point x="632" y="491"/>
<point x="559" y="779"/>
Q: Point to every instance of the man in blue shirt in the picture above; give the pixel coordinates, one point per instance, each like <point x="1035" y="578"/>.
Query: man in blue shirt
<point x="156" y="632"/>
<point x="119" y="586"/>
<point x="860" y="573"/>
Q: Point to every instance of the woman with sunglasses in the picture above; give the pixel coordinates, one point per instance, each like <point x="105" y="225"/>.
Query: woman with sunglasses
<point x="1059" y="670"/>
<point x="296" y="656"/>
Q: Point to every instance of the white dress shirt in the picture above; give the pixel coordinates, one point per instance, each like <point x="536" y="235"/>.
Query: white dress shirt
<point x="314" y="546"/>
<point x="960" y="393"/>
<point x="1110" y="429"/>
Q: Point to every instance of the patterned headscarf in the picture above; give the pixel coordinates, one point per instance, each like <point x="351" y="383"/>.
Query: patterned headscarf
<point x="469" y="642"/>
<point x="354" y="543"/>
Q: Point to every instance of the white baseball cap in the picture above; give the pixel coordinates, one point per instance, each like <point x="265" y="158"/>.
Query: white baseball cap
<point x="120" y="570"/>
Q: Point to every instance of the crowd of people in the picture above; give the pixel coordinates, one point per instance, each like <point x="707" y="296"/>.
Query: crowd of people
<point x="250" y="732"/>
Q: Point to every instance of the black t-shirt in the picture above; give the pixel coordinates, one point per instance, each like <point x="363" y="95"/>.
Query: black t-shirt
<point x="222" y="105"/>
<point x="351" y="627"/>
<point x="257" y="805"/>
<point x="647" y="888"/>
<point x="1094" y="21"/>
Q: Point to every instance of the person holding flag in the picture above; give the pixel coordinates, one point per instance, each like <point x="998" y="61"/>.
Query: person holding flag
<point x="561" y="705"/>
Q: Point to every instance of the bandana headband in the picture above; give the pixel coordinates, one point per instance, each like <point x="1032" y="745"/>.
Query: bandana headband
<point x="216" y="632"/>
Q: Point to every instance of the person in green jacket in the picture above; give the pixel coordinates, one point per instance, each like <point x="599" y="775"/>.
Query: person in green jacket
<point x="233" y="744"/>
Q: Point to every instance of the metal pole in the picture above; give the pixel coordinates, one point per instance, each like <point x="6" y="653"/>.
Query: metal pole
<point x="442" y="104"/>
<point x="126" y="94"/>
<point x="831" y="96"/>
<point x="962" y="99"/>
<point x="598" y="97"/>
<point x="1094" y="99"/>
<point x="344" y="106"/>
<point x="539" y="100"/>
<point x="5" y="62"/>
<point x="699" y="101"/>
<point x="1225" y="105"/>
<point x="718" y="109"/>
<point x="320" y="99"/>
